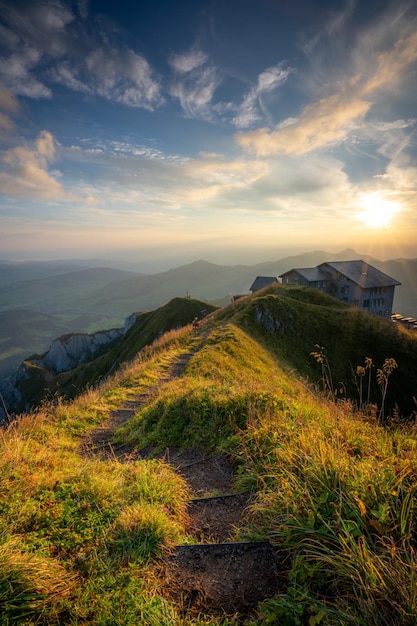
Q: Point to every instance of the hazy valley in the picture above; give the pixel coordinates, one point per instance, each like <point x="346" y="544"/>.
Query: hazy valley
<point x="41" y="301"/>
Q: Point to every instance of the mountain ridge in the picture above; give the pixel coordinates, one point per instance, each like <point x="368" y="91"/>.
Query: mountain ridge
<point x="100" y="299"/>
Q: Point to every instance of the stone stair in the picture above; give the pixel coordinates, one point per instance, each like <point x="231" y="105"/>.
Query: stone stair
<point x="216" y="575"/>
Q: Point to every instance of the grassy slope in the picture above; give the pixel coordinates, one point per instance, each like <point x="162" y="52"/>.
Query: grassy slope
<point x="81" y="538"/>
<point x="42" y="383"/>
<point x="293" y="320"/>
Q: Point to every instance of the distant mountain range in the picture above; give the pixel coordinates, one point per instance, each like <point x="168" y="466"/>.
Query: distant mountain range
<point x="39" y="301"/>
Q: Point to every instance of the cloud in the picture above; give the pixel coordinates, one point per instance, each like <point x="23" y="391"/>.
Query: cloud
<point x="41" y="25"/>
<point x="47" y="43"/>
<point x="124" y="76"/>
<point x="17" y="69"/>
<point x="373" y="70"/>
<point x="194" y="83"/>
<point x="211" y="177"/>
<point x="268" y="81"/>
<point x="187" y="62"/>
<point x="8" y="102"/>
<point x="395" y="124"/>
<point x="26" y="170"/>
<point x="321" y="124"/>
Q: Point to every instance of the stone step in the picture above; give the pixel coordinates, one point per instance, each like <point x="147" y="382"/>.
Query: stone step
<point x="224" y="578"/>
<point x="215" y="519"/>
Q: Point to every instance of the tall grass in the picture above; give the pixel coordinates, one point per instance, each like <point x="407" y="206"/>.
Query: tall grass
<point x="337" y="495"/>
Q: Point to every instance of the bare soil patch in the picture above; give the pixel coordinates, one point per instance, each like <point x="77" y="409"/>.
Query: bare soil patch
<point x="215" y="520"/>
<point x="218" y="576"/>
<point x="223" y="579"/>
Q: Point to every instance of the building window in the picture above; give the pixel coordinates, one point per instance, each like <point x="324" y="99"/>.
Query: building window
<point x="375" y="291"/>
<point x="366" y="304"/>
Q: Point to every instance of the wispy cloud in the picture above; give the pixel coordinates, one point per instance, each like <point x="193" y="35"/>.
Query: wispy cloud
<point x="374" y="69"/>
<point x="8" y="106"/>
<point x="8" y="102"/>
<point x="194" y="83"/>
<point x="48" y="44"/>
<point x="117" y="75"/>
<point x="196" y="79"/>
<point x="320" y="124"/>
<point x="248" y="112"/>
<point x="188" y="61"/>
<point x="18" y="65"/>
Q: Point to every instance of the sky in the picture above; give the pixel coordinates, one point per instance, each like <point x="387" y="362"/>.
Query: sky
<point x="234" y="131"/>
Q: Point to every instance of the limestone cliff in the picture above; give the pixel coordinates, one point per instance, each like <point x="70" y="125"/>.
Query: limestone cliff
<point x="65" y="354"/>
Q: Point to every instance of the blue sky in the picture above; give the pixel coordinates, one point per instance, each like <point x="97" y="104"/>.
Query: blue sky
<point x="229" y="130"/>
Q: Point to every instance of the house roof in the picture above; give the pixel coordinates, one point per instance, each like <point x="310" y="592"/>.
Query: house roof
<point x="262" y="281"/>
<point x="361" y="273"/>
<point x="309" y="273"/>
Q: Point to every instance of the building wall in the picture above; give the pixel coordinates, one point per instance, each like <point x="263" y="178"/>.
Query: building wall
<point x="377" y="300"/>
<point x="295" y="278"/>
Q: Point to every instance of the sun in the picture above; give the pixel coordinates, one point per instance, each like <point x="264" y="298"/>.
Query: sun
<point x="377" y="210"/>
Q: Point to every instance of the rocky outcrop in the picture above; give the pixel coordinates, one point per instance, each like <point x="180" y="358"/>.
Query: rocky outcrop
<point x="10" y="391"/>
<point x="66" y="353"/>
<point x="129" y="321"/>
<point x="69" y="351"/>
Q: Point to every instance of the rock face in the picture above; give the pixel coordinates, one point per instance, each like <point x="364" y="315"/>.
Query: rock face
<point x="10" y="390"/>
<point x="70" y="351"/>
<point x="66" y="353"/>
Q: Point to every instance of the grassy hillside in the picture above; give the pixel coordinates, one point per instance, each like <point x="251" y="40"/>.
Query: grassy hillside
<point x="42" y="383"/>
<point x="333" y="490"/>
<point x="294" y="322"/>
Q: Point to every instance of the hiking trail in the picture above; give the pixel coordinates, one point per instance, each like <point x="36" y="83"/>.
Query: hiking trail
<point x="215" y="575"/>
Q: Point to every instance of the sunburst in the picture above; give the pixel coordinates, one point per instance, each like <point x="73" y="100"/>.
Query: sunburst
<point x="377" y="210"/>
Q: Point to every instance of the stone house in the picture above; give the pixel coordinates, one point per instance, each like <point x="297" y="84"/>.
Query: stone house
<point x="354" y="282"/>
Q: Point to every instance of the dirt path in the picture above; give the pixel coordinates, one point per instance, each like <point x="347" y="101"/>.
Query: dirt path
<point x="215" y="575"/>
<point x="99" y="440"/>
<point x="218" y="575"/>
